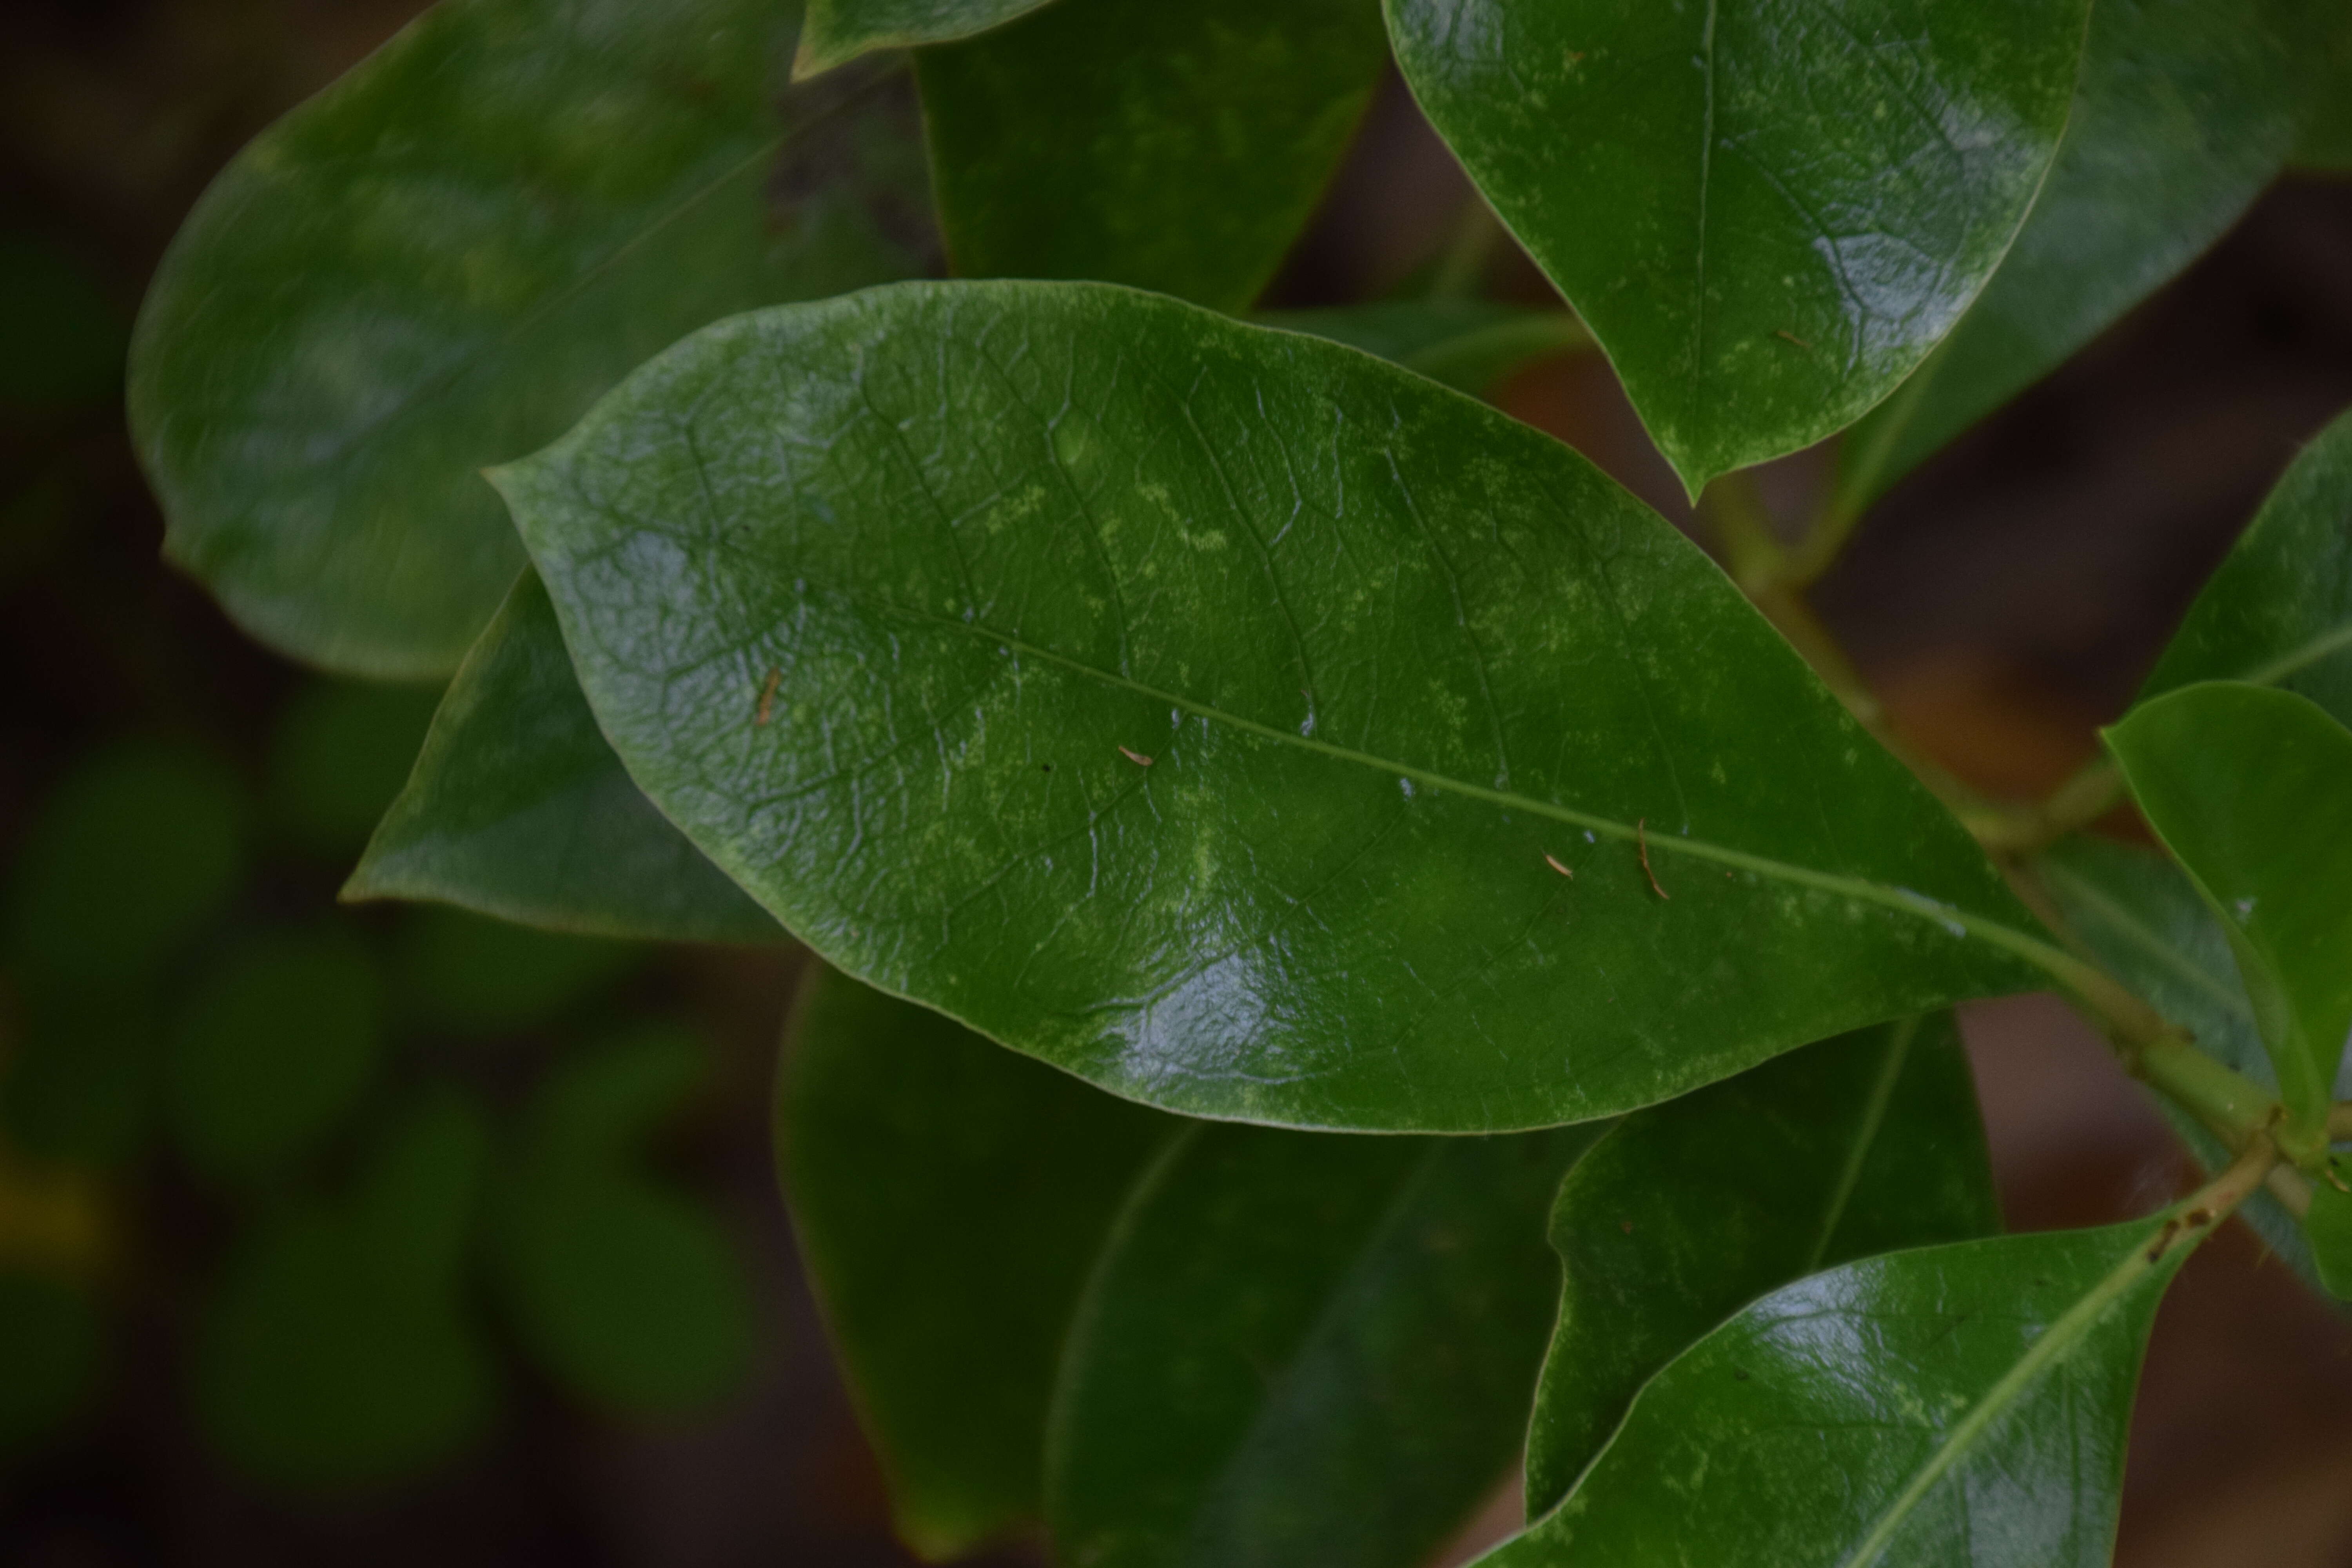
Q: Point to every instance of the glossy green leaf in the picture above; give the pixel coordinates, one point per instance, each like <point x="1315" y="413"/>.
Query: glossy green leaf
<point x="949" y="1199"/>
<point x="438" y="263"/>
<point x="1177" y="147"/>
<point x="275" y="1050"/>
<point x="2183" y="114"/>
<point x="1305" y="1349"/>
<point x="129" y="855"/>
<point x="338" y="1350"/>
<point x="2144" y="920"/>
<point x="836" y="32"/>
<point x="1468" y="344"/>
<point x="475" y="977"/>
<point x="1962" y="1406"/>
<point x="2324" y="32"/>
<point x="2246" y="786"/>
<point x="519" y="808"/>
<point x="2278" y="610"/>
<point x="340" y="753"/>
<point x="625" y="1286"/>
<point x="2328" y="1228"/>
<point x="1766" y="212"/>
<point x="52" y="1355"/>
<point x="77" y="1079"/>
<point x="1688" y="1211"/>
<point x="1196" y="707"/>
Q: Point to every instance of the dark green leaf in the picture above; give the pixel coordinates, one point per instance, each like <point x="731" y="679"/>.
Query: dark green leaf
<point x="624" y="1286"/>
<point x="1959" y="1407"/>
<point x="1768" y="213"/>
<point x="479" y="976"/>
<point x="2328" y="1228"/>
<point x="438" y="263"/>
<point x="1178" y="148"/>
<point x="1305" y="1349"/>
<point x="65" y="336"/>
<point x="837" y="31"/>
<point x="2323" y="31"/>
<point x="2246" y="786"/>
<point x="52" y="1354"/>
<point x="77" y="1080"/>
<point x="2145" y="921"/>
<point x="2278" y="611"/>
<point x="949" y="1199"/>
<point x="1469" y="344"/>
<point x="1688" y="1211"/>
<point x="2183" y="114"/>
<point x="277" y="1046"/>
<point x="131" y="854"/>
<point x="340" y="753"/>
<point x="338" y="1350"/>
<point x="519" y="808"/>
<point x="1195" y="706"/>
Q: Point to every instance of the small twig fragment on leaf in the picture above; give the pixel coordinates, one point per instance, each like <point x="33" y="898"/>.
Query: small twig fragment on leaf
<point x="1787" y="336"/>
<point x="1137" y="758"/>
<point x="1641" y="842"/>
<point x="1553" y="862"/>
<point x="767" y="709"/>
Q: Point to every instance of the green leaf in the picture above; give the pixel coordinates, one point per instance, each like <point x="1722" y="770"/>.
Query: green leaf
<point x="949" y="1199"/>
<point x="625" y="1286"/>
<point x="276" y="1047"/>
<point x="1692" y="1209"/>
<point x="2144" y="920"/>
<point x="1305" y="1349"/>
<point x="340" y="753"/>
<point x="1471" y="345"/>
<point x="2278" y="610"/>
<point x="1196" y="707"/>
<point x="1766" y="216"/>
<point x="2323" y="30"/>
<point x="2184" y="113"/>
<point x="519" y="808"/>
<point x="836" y="32"/>
<point x="440" y="261"/>
<point x="52" y="1357"/>
<point x="2328" y="1226"/>
<point x="131" y="854"/>
<point x="2246" y="786"/>
<point x="1961" y="1405"/>
<point x="476" y="977"/>
<point x="1177" y="147"/>
<point x="338" y="1350"/>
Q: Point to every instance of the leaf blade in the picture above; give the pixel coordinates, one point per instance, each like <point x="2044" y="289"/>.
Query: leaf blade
<point x="1719" y="141"/>
<point x="1494" y="584"/>
<point x="836" y="32"/>
<point x="1691" y="1209"/>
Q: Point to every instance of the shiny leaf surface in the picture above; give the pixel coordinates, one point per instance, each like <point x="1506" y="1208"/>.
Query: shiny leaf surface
<point x="2329" y="1229"/>
<point x="1689" y="1210"/>
<point x="2278" y="610"/>
<point x="339" y="1351"/>
<point x="835" y="32"/>
<point x="438" y="263"/>
<point x="1305" y="1349"/>
<point x="1768" y="211"/>
<point x="949" y="1197"/>
<point x="1244" y="724"/>
<point x="519" y="808"/>
<point x="1961" y="1405"/>
<point x="2246" y="786"/>
<point x="1176" y="148"/>
<point x="1468" y="344"/>
<point x="624" y="1286"/>
<point x="2184" y="113"/>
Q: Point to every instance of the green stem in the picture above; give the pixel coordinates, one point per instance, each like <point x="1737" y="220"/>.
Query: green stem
<point x="1469" y="250"/>
<point x="2090" y="793"/>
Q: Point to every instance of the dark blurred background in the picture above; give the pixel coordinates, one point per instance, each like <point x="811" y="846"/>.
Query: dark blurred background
<point x="210" y="1076"/>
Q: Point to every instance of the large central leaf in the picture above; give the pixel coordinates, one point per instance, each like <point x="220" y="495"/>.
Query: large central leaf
<point x="1232" y="719"/>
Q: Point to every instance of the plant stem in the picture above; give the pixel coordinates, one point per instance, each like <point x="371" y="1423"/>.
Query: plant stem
<point x="2090" y="793"/>
<point x="1461" y="265"/>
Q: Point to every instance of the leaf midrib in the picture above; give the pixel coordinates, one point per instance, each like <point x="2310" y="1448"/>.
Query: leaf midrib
<point x="2039" y="953"/>
<point x="2062" y="1336"/>
<point x="1874" y="1122"/>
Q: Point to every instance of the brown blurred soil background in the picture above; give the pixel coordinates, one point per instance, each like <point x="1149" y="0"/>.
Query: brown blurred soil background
<point x="2005" y="601"/>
